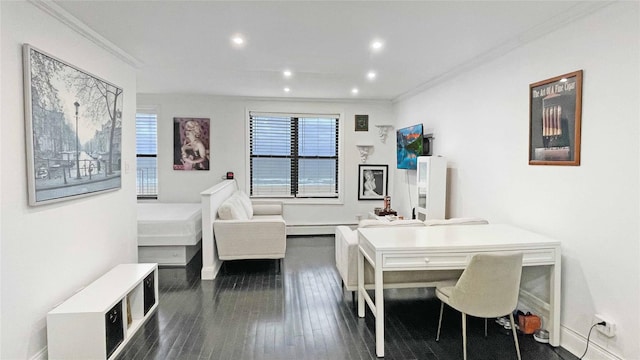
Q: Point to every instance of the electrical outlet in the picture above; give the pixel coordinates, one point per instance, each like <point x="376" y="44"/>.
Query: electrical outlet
<point x="608" y="330"/>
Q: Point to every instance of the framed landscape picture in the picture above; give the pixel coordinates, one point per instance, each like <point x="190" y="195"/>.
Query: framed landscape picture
<point x="555" y="113"/>
<point x="73" y="122"/>
<point x="372" y="181"/>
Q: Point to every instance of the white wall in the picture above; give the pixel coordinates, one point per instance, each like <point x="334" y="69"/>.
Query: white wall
<point x="49" y="252"/>
<point x="228" y="148"/>
<point x="1" y="282"/>
<point x="481" y="124"/>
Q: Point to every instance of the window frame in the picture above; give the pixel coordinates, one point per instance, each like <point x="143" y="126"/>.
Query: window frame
<point x="148" y="111"/>
<point x="340" y="157"/>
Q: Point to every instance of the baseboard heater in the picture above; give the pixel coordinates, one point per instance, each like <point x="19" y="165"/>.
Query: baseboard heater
<point x="314" y="229"/>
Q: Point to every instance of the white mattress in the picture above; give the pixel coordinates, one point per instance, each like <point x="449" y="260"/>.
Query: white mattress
<point x="164" y="224"/>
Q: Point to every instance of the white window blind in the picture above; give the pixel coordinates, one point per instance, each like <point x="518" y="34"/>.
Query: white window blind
<point x="293" y="156"/>
<point x="147" y="155"/>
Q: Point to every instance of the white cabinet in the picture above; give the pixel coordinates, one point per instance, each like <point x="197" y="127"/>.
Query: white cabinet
<point x="100" y="319"/>
<point x="432" y="187"/>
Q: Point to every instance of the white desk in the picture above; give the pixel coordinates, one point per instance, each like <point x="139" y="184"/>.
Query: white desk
<point x="450" y="247"/>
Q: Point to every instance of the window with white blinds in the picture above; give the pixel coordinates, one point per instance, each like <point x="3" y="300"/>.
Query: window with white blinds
<point x="293" y="155"/>
<point x="147" y="155"/>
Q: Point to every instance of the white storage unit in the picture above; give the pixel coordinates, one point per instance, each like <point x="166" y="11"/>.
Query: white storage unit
<point x="99" y="320"/>
<point x="432" y="187"/>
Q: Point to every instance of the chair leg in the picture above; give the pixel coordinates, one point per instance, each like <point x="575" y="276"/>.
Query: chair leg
<point x="440" y="321"/>
<point x="464" y="336"/>
<point x="353" y="297"/>
<point x="485" y="328"/>
<point x="515" y="336"/>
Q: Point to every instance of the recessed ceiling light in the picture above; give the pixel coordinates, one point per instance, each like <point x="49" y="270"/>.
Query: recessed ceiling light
<point x="287" y="89"/>
<point x="354" y="91"/>
<point x="371" y="75"/>
<point x="287" y="73"/>
<point x="237" y="40"/>
<point x="377" y="44"/>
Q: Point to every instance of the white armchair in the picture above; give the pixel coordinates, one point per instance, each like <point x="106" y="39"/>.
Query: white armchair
<point x="249" y="230"/>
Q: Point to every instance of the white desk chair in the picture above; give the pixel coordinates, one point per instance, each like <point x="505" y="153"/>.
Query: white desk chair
<point x="488" y="287"/>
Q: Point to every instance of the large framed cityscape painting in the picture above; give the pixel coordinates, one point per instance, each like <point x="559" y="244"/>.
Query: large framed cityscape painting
<point x="73" y="123"/>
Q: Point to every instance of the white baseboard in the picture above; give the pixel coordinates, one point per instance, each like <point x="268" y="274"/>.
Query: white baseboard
<point x="40" y="355"/>
<point x="210" y="272"/>
<point x="569" y="339"/>
<point x="576" y="343"/>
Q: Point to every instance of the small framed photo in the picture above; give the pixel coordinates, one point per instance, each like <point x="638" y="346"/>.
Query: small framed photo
<point x="555" y="112"/>
<point x="372" y="181"/>
<point x="362" y="122"/>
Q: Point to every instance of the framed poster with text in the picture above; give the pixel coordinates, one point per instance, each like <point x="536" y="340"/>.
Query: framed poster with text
<point x="555" y="112"/>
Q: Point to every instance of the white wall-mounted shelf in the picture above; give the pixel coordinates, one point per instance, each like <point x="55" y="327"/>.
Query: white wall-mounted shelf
<point x="365" y="150"/>
<point x="383" y="132"/>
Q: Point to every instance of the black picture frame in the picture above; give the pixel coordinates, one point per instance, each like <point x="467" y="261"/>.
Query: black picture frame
<point x="373" y="181"/>
<point x="362" y="122"/>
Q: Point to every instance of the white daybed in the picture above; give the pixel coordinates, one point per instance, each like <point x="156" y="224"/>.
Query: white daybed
<point x="169" y="233"/>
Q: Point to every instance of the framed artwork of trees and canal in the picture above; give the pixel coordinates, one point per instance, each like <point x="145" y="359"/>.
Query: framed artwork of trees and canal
<point x="73" y="130"/>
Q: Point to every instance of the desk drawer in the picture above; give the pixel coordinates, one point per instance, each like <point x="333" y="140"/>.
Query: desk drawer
<point x="539" y="257"/>
<point x="426" y="260"/>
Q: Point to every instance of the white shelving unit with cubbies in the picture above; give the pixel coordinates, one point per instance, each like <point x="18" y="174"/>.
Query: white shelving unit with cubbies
<point x="100" y="319"/>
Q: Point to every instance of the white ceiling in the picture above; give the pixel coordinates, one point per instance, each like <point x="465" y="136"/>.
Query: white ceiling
<point x="185" y="47"/>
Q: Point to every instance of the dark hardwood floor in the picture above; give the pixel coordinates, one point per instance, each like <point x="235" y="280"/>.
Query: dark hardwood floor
<point x="252" y="312"/>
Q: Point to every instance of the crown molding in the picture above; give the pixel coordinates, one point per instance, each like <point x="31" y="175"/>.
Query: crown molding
<point x="559" y="21"/>
<point x="81" y="28"/>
